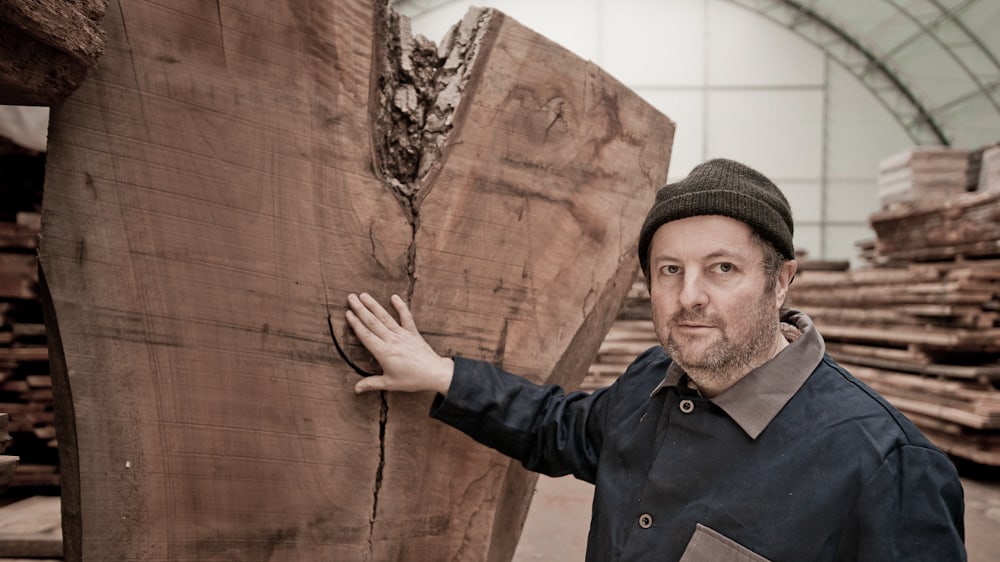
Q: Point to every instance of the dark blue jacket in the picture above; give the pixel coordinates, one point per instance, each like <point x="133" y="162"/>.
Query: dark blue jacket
<point x="837" y="474"/>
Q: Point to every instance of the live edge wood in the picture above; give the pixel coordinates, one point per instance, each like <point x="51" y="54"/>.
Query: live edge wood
<point x="47" y="47"/>
<point x="211" y="199"/>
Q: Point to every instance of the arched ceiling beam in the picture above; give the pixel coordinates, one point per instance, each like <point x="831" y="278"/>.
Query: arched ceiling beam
<point x="931" y="27"/>
<point x="848" y="51"/>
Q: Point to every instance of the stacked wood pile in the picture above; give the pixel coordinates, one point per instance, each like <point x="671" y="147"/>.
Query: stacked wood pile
<point x="25" y="385"/>
<point x="8" y="463"/>
<point x="631" y="334"/>
<point x="966" y="225"/>
<point x="921" y="323"/>
<point x="923" y="173"/>
<point x="988" y="173"/>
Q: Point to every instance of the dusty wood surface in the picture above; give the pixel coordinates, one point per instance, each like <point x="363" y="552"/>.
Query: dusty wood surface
<point x="30" y="528"/>
<point x="47" y="47"/>
<point x="213" y="195"/>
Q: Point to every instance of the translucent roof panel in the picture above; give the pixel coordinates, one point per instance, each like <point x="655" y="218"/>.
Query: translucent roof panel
<point x="934" y="63"/>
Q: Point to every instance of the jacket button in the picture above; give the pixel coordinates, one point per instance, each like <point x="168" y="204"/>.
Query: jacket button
<point x="645" y="520"/>
<point x="687" y="406"/>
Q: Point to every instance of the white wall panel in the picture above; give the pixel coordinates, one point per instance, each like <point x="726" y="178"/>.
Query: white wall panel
<point x="574" y="26"/>
<point x="746" y="49"/>
<point x="848" y="201"/>
<point x="860" y="130"/>
<point x="780" y="132"/>
<point x="805" y="198"/>
<point x="841" y="239"/>
<point x="433" y="24"/>
<point x="808" y="237"/>
<point x="651" y="42"/>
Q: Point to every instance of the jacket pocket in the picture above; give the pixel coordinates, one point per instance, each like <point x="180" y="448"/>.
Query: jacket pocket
<point x="709" y="545"/>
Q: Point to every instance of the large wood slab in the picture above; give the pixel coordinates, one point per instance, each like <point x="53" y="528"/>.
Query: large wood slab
<point x="217" y="188"/>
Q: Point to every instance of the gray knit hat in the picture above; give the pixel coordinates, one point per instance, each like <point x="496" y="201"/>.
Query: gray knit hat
<point x="727" y="188"/>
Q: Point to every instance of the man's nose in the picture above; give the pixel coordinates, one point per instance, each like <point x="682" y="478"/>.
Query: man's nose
<point x="693" y="291"/>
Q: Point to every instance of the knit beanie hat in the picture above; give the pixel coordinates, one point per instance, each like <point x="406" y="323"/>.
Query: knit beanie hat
<point x="727" y="188"/>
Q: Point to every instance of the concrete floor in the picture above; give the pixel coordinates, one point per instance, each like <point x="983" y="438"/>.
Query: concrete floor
<point x="556" y="527"/>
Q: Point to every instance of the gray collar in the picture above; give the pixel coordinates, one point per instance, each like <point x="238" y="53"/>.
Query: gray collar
<point x="757" y="398"/>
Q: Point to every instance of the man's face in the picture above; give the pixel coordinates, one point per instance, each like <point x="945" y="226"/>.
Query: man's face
<point x="712" y="308"/>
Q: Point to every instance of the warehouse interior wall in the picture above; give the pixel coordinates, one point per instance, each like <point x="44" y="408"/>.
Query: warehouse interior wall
<point x="740" y="85"/>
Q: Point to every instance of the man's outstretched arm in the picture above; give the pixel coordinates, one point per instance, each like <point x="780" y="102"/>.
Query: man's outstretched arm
<point x="409" y="364"/>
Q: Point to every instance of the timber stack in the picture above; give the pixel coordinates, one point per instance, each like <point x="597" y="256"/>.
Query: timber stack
<point x="921" y="322"/>
<point x="631" y="334"/>
<point x="25" y="384"/>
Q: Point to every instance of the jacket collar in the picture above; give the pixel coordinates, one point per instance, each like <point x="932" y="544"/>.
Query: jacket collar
<point x="757" y="398"/>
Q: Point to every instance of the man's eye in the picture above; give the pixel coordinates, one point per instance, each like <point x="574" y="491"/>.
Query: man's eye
<point x="726" y="267"/>
<point x="671" y="269"/>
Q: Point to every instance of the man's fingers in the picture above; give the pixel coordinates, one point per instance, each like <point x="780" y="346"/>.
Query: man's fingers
<point x="378" y="311"/>
<point x="362" y="306"/>
<point x="405" y="318"/>
<point x="366" y="336"/>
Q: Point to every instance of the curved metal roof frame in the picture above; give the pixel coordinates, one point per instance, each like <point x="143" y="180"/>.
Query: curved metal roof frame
<point x="923" y="123"/>
<point x="882" y="71"/>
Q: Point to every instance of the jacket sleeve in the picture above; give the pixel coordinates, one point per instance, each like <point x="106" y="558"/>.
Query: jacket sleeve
<point x="910" y="509"/>
<point x="546" y="429"/>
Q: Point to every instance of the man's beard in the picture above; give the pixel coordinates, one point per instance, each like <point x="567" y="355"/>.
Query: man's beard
<point x="739" y="348"/>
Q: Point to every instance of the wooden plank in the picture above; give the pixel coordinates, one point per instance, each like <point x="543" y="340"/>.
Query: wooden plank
<point x="31" y="528"/>
<point x="902" y="361"/>
<point x="956" y="339"/>
<point x="11" y="236"/>
<point x="921" y="157"/>
<point x="960" y="448"/>
<point x="36" y="475"/>
<point x="890" y="295"/>
<point x="215" y="190"/>
<point x="867" y="276"/>
<point x="972" y="406"/>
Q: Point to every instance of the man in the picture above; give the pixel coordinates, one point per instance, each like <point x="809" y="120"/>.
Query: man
<point x="727" y="442"/>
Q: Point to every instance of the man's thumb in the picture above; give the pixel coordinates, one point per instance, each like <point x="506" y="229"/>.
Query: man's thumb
<point x="369" y="384"/>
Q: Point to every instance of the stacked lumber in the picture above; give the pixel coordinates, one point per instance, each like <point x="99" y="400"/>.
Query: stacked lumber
<point x="25" y="384"/>
<point x="631" y="334"/>
<point x="8" y="463"/>
<point x="966" y="225"/>
<point x="921" y="325"/>
<point x="988" y="176"/>
<point x="923" y="173"/>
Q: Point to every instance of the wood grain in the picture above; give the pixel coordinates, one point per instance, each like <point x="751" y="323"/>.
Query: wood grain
<point x="213" y="195"/>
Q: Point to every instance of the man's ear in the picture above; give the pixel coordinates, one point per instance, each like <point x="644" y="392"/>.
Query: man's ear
<point x="785" y="276"/>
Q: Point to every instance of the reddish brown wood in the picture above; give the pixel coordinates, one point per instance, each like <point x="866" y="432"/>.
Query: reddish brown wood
<point x="214" y="192"/>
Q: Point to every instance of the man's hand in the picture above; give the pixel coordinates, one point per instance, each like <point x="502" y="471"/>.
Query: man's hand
<point x="408" y="362"/>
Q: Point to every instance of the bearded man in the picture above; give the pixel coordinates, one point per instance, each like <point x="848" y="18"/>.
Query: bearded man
<point x="727" y="441"/>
